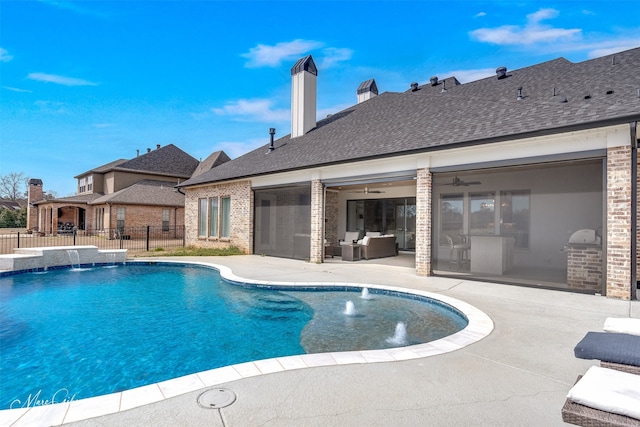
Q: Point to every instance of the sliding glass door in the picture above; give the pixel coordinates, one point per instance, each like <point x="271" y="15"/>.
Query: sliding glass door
<point x="387" y="216"/>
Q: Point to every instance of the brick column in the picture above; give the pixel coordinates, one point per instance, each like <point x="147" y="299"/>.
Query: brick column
<point x="423" y="222"/>
<point x="619" y="222"/>
<point x="317" y="222"/>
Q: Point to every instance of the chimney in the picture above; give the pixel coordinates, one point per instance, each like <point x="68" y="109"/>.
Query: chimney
<point x="367" y="90"/>
<point x="35" y="194"/>
<point x="303" y="96"/>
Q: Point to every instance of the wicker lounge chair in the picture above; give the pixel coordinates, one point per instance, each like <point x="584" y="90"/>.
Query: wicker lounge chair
<point x="615" y="351"/>
<point x="581" y="415"/>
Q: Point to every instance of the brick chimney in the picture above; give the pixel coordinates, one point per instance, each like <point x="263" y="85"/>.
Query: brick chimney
<point x="35" y="194"/>
<point x="303" y="96"/>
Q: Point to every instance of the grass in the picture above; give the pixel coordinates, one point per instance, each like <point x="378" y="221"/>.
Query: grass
<point x="192" y="251"/>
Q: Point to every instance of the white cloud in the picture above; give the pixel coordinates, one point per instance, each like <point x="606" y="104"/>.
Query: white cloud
<point x="272" y="56"/>
<point x="102" y="125"/>
<point x="608" y="47"/>
<point x="61" y="80"/>
<point x="16" y="89"/>
<point x="73" y="7"/>
<point x="254" y="109"/>
<point x="333" y="55"/>
<point x="533" y="32"/>
<point x="480" y="14"/>
<point x="4" y="55"/>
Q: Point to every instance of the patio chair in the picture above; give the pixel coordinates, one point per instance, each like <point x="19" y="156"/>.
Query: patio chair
<point x="603" y="397"/>
<point x="613" y="350"/>
<point x="458" y="253"/>
<point x="350" y="237"/>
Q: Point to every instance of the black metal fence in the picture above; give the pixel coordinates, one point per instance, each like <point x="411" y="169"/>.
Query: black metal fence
<point x="134" y="239"/>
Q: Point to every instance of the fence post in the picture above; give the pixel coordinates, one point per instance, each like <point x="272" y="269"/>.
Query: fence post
<point x="18" y="239"/>
<point x="148" y="228"/>
<point x="184" y="236"/>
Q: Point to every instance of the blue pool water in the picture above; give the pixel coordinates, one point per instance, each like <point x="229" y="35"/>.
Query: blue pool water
<point x="76" y="334"/>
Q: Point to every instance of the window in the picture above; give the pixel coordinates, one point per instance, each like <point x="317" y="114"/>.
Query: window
<point x="225" y="217"/>
<point x="202" y="217"/>
<point x="213" y="217"/>
<point x="482" y="213"/>
<point x="82" y="185"/>
<point x="451" y="216"/>
<point x="165" y="219"/>
<point x="99" y="218"/>
<point x="514" y="216"/>
<point x="90" y="183"/>
<point x="120" y="213"/>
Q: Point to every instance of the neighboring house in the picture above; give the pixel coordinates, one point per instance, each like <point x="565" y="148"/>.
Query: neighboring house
<point x="123" y="193"/>
<point x="526" y="177"/>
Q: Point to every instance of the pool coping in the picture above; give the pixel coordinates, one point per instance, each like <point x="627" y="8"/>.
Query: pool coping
<point x="479" y="326"/>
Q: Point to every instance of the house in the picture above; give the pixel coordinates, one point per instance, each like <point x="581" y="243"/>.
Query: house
<point x="123" y="193"/>
<point x="527" y="177"/>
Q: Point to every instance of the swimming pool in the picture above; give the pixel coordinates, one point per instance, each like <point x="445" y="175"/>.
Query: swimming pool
<point x="96" y="331"/>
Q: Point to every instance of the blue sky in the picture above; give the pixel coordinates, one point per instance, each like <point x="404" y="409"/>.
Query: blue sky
<point x="83" y="83"/>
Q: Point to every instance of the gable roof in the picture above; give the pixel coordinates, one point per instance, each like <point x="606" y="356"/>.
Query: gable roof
<point x="215" y="159"/>
<point x="146" y="192"/>
<point x="598" y="92"/>
<point x="168" y="161"/>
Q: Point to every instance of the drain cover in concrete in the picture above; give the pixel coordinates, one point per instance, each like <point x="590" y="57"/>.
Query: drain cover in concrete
<point x="216" y="398"/>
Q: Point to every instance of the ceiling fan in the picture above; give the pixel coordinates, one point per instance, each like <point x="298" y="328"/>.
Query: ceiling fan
<point x="457" y="182"/>
<point x="367" y="191"/>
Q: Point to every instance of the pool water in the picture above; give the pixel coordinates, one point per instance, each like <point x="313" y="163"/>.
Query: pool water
<point x="76" y="334"/>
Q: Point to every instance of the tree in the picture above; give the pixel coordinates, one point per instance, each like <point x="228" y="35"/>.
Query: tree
<point x="13" y="186"/>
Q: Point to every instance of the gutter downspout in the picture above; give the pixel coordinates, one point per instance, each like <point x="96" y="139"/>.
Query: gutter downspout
<point x="633" y="127"/>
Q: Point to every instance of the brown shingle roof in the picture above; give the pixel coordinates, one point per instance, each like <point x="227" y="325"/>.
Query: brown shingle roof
<point x="146" y="192"/>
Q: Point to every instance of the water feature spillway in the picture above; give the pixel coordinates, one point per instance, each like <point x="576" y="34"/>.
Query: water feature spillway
<point x="74" y="258"/>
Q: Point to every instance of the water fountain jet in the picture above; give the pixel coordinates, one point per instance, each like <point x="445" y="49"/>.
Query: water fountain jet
<point x="400" y="335"/>
<point x="350" y="309"/>
<point x="365" y="294"/>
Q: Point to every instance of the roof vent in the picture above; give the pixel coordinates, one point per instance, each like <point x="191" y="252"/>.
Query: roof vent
<point x="434" y="81"/>
<point x="272" y="132"/>
<point x="562" y="99"/>
<point x="587" y="96"/>
<point x="501" y="72"/>
<point x="520" y="97"/>
<point x="444" y="86"/>
<point x="414" y="86"/>
<point x="157" y="146"/>
<point x="148" y="150"/>
<point x="609" y="92"/>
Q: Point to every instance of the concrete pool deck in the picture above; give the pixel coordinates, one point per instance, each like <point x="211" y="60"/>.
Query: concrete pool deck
<point x="518" y="375"/>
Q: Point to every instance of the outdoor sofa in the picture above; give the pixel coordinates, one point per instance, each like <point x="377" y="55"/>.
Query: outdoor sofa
<point x="378" y="246"/>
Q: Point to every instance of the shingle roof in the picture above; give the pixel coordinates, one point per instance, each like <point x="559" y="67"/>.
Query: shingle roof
<point x="80" y="198"/>
<point x="601" y="90"/>
<point x="168" y="160"/>
<point x="215" y="159"/>
<point x="146" y="192"/>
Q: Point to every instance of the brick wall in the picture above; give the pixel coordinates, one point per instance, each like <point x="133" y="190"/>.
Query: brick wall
<point x="241" y="217"/>
<point x="331" y="217"/>
<point x="423" y="222"/>
<point x="619" y="222"/>
<point x="584" y="267"/>
<point x="317" y="222"/>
